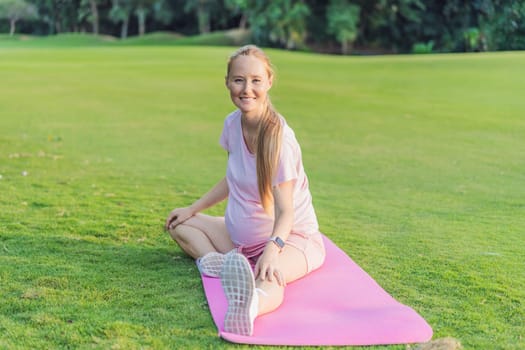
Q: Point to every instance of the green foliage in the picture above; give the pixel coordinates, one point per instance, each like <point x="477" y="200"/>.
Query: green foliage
<point x="163" y="12"/>
<point x="239" y="7"/>
<point x="203" y="10"/>
<point x="420" y="48"/>
<point x="235" y="37"/>
<point x="472" y="39"/>
<point x="15" y="10"/>
<point x="61" y="40"/>
<point x="504" y="27"/>
<point x="120" y="13"/>
<point x="397" y="22"/>
<point x="281" y="22"/>
<point x="382" y="26"/>
<point x="56" y="16"/>
<point x="343" y="20"/>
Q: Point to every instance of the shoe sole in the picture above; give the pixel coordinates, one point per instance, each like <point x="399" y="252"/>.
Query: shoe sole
<point x="211" y="264"/>
<point x="238" y="283"/>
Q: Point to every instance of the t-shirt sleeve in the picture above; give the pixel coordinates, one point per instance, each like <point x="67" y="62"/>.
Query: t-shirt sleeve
<point x="289" y="159"/>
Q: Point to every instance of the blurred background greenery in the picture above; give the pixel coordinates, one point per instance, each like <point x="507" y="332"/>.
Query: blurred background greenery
<point x="334" y="26"/>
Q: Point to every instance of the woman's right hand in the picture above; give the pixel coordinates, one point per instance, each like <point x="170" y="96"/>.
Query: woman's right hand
<point x="178" y="216"/>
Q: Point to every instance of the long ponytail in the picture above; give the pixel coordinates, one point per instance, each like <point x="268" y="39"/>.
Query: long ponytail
<point x="267" y="154"/>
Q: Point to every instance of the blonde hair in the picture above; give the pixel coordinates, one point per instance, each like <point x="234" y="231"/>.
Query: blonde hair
<point x="269" y="134"/>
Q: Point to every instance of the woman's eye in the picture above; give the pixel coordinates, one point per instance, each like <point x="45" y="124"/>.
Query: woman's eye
<point x="256" y="81"/>
<point x="238" y="80"/>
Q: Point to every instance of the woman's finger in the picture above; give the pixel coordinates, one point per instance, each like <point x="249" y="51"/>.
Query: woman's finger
<point x="280" y="278"/>
<point x="256" y="271"/>
<point x="171" y="217"/>
<point x="270" y="274"/>
<point x="170" y="220"/>
<point x="264" y="273"/>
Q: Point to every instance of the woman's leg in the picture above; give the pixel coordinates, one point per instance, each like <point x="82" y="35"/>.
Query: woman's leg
<point x="294" y="266"/>
<point x="300" y="256"/>
<point x="248" y="298"/>
<point x="202" y="234"/>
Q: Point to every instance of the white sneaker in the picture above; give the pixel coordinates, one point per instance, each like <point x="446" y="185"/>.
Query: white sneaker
<point x="211" y="264"/>
<point x="238" y="283"/>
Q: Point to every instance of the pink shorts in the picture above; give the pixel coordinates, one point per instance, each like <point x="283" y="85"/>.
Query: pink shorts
<point x="311" y="246"/>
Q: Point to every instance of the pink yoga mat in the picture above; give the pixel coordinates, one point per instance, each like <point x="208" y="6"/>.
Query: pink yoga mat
<point x="338" y="304"/>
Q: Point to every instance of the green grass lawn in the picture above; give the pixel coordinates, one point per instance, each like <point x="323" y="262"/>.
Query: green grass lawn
<point x="416" y="165"/>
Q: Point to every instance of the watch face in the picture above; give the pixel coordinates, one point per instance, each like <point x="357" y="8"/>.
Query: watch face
<point x="279" y="242"/>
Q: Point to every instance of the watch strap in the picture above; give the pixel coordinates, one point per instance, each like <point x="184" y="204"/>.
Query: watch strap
<point x="278" y="242"/>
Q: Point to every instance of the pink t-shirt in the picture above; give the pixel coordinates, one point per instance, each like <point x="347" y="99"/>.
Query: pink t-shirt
<point x="246" y="220"/>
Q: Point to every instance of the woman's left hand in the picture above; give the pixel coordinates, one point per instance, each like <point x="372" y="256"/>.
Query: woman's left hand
<point x="267" y="267"/>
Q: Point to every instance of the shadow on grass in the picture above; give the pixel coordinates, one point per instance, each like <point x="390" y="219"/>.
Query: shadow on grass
<point x="99" y="291"/>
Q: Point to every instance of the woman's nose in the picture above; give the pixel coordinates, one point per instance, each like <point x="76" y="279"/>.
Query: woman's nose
<point x="246" y="87"/>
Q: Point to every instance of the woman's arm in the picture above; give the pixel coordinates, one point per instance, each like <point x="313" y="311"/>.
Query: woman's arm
<point x="284" y="210"/>
<point x="217" y="194"/>
<point x="268" y="264"/>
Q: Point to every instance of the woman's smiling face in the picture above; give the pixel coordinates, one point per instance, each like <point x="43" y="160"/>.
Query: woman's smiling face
<point x="248" y="81"/>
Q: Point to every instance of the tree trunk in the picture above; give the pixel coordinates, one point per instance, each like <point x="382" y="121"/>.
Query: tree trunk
<point x="12" y="23"/>
<point x="203" y="17"/>
<point x="94" y="13"/>
<point x="344" y="47"/>
<point x="243" y="22"/>
<point x="58" y="26"/>
<point x="124" y="28"/>
<point x="141" y="16"/>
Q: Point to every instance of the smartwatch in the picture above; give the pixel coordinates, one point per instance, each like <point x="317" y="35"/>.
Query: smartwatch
<point x="278" y="242"/>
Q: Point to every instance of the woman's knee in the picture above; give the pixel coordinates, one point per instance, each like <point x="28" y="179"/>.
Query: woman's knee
<point x="179" y="234"/>
<point x="190" y="241"/>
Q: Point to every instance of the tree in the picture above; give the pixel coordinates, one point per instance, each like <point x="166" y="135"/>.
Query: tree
<point x="89" y="10"/>
<point x="294" y="23"/>
<point x="239" y="7"/>
<point x="142" y="9"/>
<point x="507" y="26"/>
<point x="120" y="13"/>
<point x="163" y="12"/>
<point x="203" y="10"/>
<point x="343" y="19"/>
<point x="122" y="10"/>
<point x="94" y="15"/>
<point x="15" y="10"/>
<point x="373" y="25"/>
<point x="396" y="24"/>
<point x="281" y="22"/>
